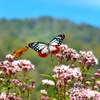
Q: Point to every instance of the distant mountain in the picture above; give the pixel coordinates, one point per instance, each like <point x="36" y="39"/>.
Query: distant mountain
<point x="48" y="26"/>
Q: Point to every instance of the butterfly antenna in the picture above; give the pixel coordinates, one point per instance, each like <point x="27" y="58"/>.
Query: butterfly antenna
<point x="52" y="60"/>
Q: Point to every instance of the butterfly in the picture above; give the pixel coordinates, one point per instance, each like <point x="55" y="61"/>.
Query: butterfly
<point x="44" y="49"/>
<point x="19" y="52"/>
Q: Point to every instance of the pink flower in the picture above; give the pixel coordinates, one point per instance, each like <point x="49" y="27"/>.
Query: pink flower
<point x="45" y="98"/>
<point x="44" y="92"/>
<point x="25" y="65"/>
<point x="60" y="57"/>
<point x="98" y="70"/>
<point x="65" y="74"/>
<point x="88" y="58"/>
<point x="25" y="86"/>
<point x="97" y="96"/>
<point x="97" y="74"/>
<point x="48" y="82"/>
<point x="1" y="80"/>
<point x="29" y="87"/>
<point x="67" y="53"/>
<point x="3" y="96"/>
<point x="9" y="68"/>
<point x="16" y="82"/>
<point x="71" y="54"/>
<point x="98" y="83"/>
<point x="10" y="58"/>
<point x="81" y="93"/>
<point x="63" y="48"/>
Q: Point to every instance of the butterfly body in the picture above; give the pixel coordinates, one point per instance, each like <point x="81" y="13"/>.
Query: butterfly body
<point x="44" y="49"/>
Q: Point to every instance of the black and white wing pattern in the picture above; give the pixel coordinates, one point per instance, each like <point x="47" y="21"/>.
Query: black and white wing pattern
<point x="40" y="47"/>
<point x="44" y="49"/>
<point x="57" y="40"/>
<point x="37" y="46"/>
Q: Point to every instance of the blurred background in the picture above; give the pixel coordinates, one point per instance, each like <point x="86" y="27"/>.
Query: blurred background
<point x="25" y="21"/>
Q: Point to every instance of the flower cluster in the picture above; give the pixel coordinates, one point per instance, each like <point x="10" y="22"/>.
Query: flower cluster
<point x="10" y="70"/>
<point x="45" y="98"/>
<point x="4" y="96"/>
<point x="67" y="53"/>
<point x="25" y="65"/>
<point x="22" y="85"/>
<point x="65" y="74"/>
<point x="81" y="93"/>
<point x="87" y="58"/>
<point x="84" y="58"/>
<point x="75" y="71"/>
<point x="11" y="67"/>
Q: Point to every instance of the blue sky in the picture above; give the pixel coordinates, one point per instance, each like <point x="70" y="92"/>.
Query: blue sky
<point x="78" y="11"/>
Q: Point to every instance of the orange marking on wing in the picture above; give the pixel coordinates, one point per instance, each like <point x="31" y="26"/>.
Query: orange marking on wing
<point x="42" y="55"/>
<point x="56" y="51"/>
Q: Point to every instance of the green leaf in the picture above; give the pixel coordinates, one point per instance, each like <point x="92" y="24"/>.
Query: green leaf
<point x="48" y="76"/>
<point x="87" y="73"/>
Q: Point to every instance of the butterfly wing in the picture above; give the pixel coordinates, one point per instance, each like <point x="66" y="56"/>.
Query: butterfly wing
<point x="40" y="47"/>
<point x="55" y="43"/>
<point x="19" y="52"/>
<point x="57" y="40"/>
<point x="37" y="46"/>
<point x="24" y="48"/>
